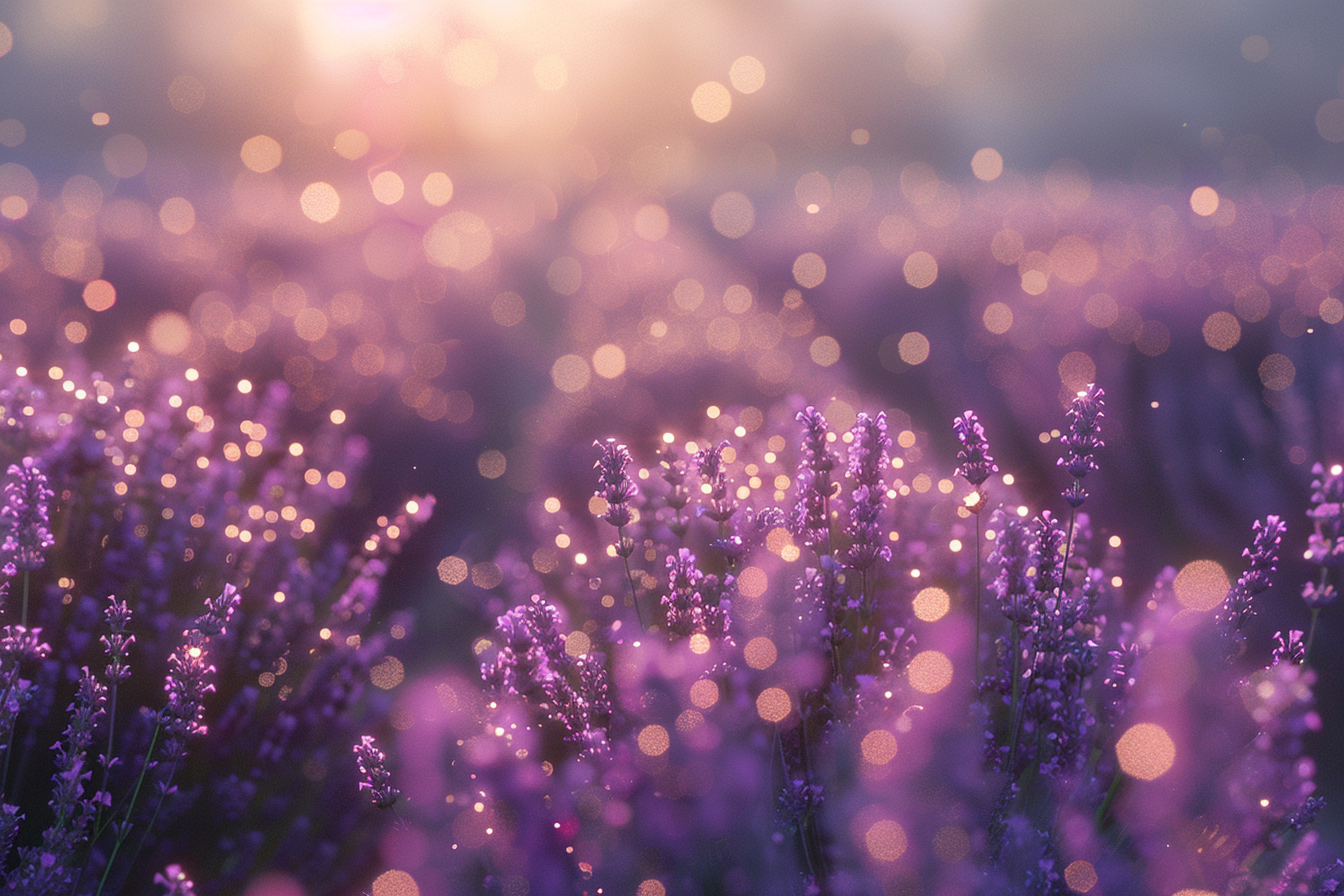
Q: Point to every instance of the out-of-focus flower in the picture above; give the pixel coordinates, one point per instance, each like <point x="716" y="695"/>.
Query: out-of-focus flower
<point x="1263" y="560"/>
<point x="27" y="526"/>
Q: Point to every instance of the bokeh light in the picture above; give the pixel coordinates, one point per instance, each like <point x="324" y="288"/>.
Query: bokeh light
<point x="773" y="705"/>
<point x="1201" y="584"/>
<point x="930" y="671"/>
<point x="1145" y="751"/>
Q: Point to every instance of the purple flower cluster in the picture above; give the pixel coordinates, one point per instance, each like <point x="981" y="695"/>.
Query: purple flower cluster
<point x="696" y="603"/>
<point x="613" y="486"/>
<point x="24" y="516"/>
<point x="230" y="766"/>
<point x="1262" y="562"/>
<point x="376" y="779"/>
<point x="1082" y="441"/>
<point x="868" y="463"/>
<point x="974" y="462"/>
<point x="811" y="512"/>
<point x="534" y="665"/>
<point x="838" y="741"/>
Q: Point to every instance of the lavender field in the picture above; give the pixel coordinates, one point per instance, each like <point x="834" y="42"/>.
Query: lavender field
<point x="615" y="447"/>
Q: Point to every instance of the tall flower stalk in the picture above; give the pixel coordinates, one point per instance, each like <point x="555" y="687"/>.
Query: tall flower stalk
<point x="975" y="464"/>
<point x="616" y="489"/>
<point x="1325" y="545"/>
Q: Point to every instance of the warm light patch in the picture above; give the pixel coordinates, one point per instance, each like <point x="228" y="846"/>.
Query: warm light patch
<point x="1080" y="876"/>
<point x="437" y="188"/>
<point x="169" y="333"/>
<point x="732" y="215"/>
<point x="913" y="348"/>
<point x="986" y="164"/>
<point x="261" y="153"/>
<point x="388" y="187"/>
<point x="1201" y="585"/>
<point x="609" y="361"/>
<point x="651" y="887"/>
<point x="704" y="693"/>
<point x="932" y="604"/>
<point x="577" y="643"/>
<point x="99" y="295"/>
<point x="1277" y="372"/>
<point x="760" y="653"/>
<point x="878" y="747"/>
<point x="746" y="74"/>
<point x="570" y="373"/>
<point x="773" y="705"/>
<point x="825" y="351"/>
<point x="1204" y="201"/>
<point x="998" y="318"/>
<point x="654" y="740"/>
<point x="320" y="202"/>
<point x="752" y="580"/>
<point x="395" y="883"/>
<point x="452" y="570"/>
<point x="351" y="144"/>
<point x="711" y="102"/>
<point x="886" y="840"/>
<point x="387" y="674"/>
<point x="177" y="215"/>
<point x="1222" y="330"/>
<point x="1145" y="751"/>
<point x="809" y="270"/>
<point x="920" y="269"/>
<point x="930" y="671"/>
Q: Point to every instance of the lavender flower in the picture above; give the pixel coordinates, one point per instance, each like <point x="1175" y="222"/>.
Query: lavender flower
<point x="1082" y="440"/>
<point x="175" y="882"/>
<point x="614" y="487"/>
<point x="1263" y="555"/>
<point x="50" y="867"/>
<point x="974" y="462"/>
<point x="187" y="684"/>
<point x="867" y="462"/>
<point x="1290" y="648"/>
<point x="1012" y="555"/>
<point x="709" y="462"/>
<point x="24" y="517"/>
<point x="533" y="664"/>
<point x="1325" y="545"/>
<point x="118" y="641"/>
<point x="811" y="515"/>
<point x="696" y="603"/>
<point x="377" y="780"/>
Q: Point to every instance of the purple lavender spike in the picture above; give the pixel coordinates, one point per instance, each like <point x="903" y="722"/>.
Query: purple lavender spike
<point x="867" y="461"/>
<point x="25" y="515"/>
<point x="1082" y="440"/>
<point x="974" y="462"/>
<point x="376" y="778"/>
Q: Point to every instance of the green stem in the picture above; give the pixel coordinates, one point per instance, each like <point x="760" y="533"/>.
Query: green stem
<point x="629" y="576"/>
<point x="979" y="598"/>
<point x="130" y="811"/>
<point x="1106" y="803"/>
<point x="24" y="619"/>
<point x="1014" y="708"/>
<point x="1311" y="635"/>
